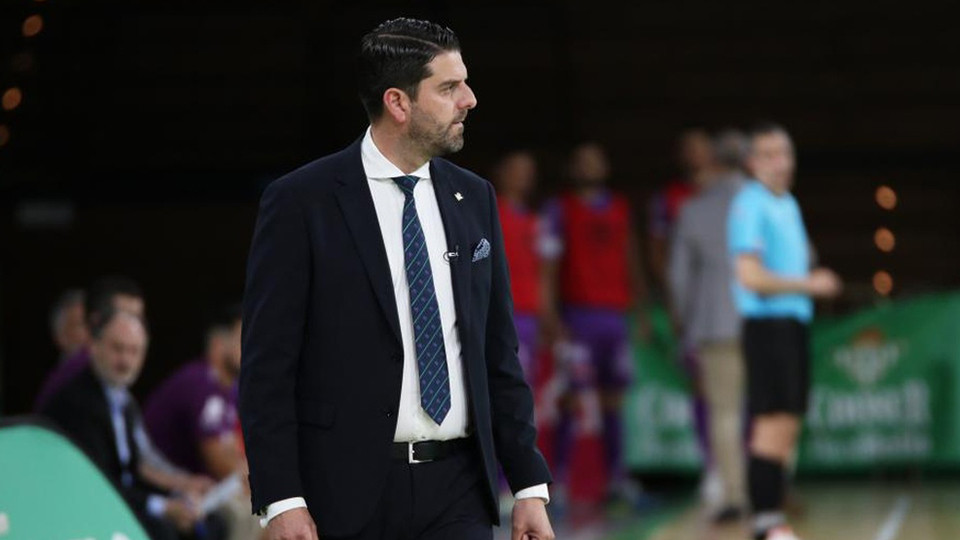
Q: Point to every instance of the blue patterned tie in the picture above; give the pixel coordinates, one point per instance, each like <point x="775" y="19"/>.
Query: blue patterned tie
<point x="427" y="331"/>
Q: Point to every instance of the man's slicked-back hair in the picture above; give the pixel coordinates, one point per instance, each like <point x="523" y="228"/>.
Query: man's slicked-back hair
<point x="395" y="55"/>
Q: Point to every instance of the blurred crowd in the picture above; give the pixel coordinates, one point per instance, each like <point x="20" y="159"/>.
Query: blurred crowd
<point x="582" y="291"/>
<point x="177" y="460"/>
<point x="582" y="279"/>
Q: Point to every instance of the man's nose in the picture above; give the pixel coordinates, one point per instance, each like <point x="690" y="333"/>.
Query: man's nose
<point x="469" y="99"/>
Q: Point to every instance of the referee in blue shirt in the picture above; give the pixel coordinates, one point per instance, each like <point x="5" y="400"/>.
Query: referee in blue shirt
<point x="773" y="289"/>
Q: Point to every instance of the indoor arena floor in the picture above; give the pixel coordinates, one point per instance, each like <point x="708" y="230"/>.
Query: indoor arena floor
<point x="824" y="511"/>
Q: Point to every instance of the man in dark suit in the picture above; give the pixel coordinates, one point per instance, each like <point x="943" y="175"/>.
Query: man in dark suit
<point x="98" y="413"/>
<point x="380" y="382"/>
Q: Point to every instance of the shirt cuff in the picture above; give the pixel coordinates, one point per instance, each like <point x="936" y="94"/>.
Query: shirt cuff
<point x="156" y="506"/>
<point x="279" y="507"/>
<point x="538" y="491"/>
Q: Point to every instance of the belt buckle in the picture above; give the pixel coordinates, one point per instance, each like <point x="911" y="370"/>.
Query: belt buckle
<point x="412" y="460"/>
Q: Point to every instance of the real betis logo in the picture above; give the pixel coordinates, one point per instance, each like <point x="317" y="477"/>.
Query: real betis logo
<point x="869" y="358"/>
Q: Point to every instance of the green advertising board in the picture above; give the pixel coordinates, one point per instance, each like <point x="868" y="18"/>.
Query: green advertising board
<point x="884" y="387"/>
<point x="49" y="490"/>
<point x="883" y="393"/>
<point x="659" y="433"/>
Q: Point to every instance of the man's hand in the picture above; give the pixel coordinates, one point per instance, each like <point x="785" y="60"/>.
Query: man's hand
<point x="194" y="487"/>
<point x="293" y="524"/>
<point x="824" y="283"/>
<point x="181" y="514"/>
<point x="530" y="521"/>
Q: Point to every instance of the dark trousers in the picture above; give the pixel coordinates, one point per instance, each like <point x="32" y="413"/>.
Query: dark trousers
<point x="439" y="500"/>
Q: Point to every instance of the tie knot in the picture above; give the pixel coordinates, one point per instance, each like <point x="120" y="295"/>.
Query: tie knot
<point x="407" y="183"/>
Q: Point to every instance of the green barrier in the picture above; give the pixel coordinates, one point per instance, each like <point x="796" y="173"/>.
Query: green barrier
<point x="49" y="490"/>
<point x="658" y="426"/>
<point x="884" y="388"/>
<point x="883" y="393"/>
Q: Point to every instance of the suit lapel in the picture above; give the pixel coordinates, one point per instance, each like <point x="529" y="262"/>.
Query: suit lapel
<point x="446" y="189"/>
<point x="356" y="201"/>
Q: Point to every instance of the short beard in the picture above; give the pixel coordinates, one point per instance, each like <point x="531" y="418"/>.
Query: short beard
<point x="432" y="137"/>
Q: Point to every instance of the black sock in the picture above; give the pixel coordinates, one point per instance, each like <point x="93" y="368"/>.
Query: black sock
<point x="767" y="486"/>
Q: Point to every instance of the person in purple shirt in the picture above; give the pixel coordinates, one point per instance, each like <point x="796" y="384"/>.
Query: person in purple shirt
<point x="192" y="417"/>
<point x="116" y="292"/>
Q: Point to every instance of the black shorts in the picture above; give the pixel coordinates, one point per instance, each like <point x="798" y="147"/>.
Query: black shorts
<point x="777" y="353"/>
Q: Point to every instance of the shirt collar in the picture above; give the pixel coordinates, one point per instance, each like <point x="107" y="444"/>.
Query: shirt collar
<point x="378" y="167"/>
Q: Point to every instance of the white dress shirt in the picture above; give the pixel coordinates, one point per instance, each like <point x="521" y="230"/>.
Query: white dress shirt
<point x="413" y="423"/>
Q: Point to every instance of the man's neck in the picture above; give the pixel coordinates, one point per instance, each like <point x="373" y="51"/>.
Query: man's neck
<point x="776" y="190"/>
<point x="397" y="148"/>
<point x="105" y="382"/>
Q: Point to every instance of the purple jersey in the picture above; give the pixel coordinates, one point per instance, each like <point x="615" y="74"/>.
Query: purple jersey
<point x="599" y="353"/>
<point x="65" y="372"/>
<point x="187" y="408"/>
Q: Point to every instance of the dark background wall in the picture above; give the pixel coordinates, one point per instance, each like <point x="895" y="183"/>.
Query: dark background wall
<point x="148" y="129"/>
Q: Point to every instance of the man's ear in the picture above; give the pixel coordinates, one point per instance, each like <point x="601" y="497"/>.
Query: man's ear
<point x="397" y="104"/>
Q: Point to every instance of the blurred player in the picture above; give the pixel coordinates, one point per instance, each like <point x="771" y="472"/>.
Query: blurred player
<point x="515" y="179"/>
<point x="773" y="290"/>
<point x="695" y="159"/>
<point x="596" y="277"/>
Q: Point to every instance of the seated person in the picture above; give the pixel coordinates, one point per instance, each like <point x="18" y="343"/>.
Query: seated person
<point x="112" y="292"/>
<point x="192" y="417"/>
<point x="96" y="410"/>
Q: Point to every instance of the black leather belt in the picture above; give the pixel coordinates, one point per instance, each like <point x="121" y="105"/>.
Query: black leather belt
<point x="426" y="451"/>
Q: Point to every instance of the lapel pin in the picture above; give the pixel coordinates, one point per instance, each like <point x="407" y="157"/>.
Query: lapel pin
<point x="458" y="196"/>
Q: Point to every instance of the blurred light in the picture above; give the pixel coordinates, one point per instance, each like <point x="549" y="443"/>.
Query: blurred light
<point x="11" y="98"/>
<point x="32" y="25"/>
<point x="884" y="239"/>
<point x="4" y="135"/>
<point x="886" y="197"/>
<point x="883" y="282"/>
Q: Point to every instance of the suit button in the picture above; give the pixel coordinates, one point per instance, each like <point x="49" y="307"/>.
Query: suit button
<point x="388" y="413"/>
<point x="397" y="357"/>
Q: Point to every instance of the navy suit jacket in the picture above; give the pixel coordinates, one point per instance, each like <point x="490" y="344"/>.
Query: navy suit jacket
<point x="322" y="353"/>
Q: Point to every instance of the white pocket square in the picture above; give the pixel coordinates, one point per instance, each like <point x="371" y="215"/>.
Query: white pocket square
<point x="482" y="251"/>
